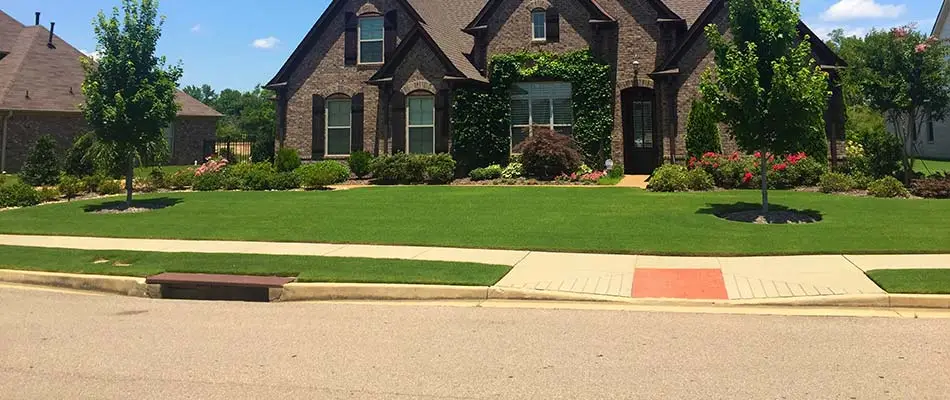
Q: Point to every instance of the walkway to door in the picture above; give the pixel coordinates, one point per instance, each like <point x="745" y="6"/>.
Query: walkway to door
<point x="637" y="181"/>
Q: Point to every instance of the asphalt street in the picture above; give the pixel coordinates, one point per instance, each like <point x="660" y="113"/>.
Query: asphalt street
<point x="66" y="345"/>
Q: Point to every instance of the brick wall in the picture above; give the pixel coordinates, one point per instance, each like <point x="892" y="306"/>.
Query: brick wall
<point x="190" y="135"/>
<point x="509" y="28"/>
<point x="323" y="72"/>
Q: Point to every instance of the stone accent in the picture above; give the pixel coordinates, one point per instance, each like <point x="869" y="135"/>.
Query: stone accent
<point x="323" y="68"/>
<point x="24" y="128"/>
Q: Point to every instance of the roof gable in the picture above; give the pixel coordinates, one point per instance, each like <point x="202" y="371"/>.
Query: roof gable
<point x="941" y="22"/>
<point x="419" y="32"/>
<point x="598" y="14"/>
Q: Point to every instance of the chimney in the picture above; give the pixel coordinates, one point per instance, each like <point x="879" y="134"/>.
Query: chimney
<point x="37" y="18"/>
<point x="52" y="25"/>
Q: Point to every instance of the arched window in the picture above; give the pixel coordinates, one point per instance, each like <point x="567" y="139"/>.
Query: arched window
<point x="339" y="124"/>
<point x="538" y="24"/>
<point x="420" y="120"/>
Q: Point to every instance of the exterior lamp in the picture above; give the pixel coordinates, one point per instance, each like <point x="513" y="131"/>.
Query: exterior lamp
<point x="609" y="164"/>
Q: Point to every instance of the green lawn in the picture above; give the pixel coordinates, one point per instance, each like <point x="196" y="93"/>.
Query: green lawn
<point x="923" y="281"/>
<point x="616" y="220"/>
<point x="306" y="268"/>
<point x="931" y="166"/>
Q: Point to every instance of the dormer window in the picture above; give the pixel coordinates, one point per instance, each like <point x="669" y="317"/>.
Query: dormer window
<point x="371" y="40"/>
<point x="538" y="26"/>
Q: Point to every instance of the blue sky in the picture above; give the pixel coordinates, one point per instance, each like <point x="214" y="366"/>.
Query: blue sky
<point x="239" y="43"/>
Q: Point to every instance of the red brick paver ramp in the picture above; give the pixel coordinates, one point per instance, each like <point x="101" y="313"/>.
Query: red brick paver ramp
<point x="679" y="283"/>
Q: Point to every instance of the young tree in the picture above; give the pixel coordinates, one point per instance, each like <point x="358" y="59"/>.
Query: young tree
<point x="905" y="76"/>
<point x="42" y="164"/>
<point x="130" y="93"/>
<point x="765" y="84"/>
<point x="702" y="134"/>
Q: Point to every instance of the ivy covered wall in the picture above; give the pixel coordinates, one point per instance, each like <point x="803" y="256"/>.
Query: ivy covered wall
<point x="481" y="116"/>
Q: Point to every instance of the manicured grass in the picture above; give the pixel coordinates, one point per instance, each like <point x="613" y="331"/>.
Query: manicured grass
<point x="142" y="172"/>
<point x="922" y="281"/>
<point x="931" y="166"/>
<point x="615" y="220"/>
<point x="608" y="181"/>
<point x="306" y="268"/>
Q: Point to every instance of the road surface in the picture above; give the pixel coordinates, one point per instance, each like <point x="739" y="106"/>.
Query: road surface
<point x="63" y="345"/>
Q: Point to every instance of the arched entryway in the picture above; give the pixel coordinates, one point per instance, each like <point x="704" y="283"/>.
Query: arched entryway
<point x="640" y="145"/>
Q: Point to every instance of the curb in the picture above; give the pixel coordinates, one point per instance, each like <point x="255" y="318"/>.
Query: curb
<point x="136" y="287"/>
<point x="124" y="285"/>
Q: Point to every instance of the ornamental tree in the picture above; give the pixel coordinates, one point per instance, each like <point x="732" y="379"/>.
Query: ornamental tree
<point x="702" y="134"/>
<point x="130" y="93"/>
<point x="766" y="85"/>
<point x="904" y="75"/>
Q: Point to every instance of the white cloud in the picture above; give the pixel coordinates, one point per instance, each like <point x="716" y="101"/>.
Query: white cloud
<point x="266" y="43"/>
<point x="196" y="28"/>
<point x="95" y="55"/>
<point x="845" y="10"/>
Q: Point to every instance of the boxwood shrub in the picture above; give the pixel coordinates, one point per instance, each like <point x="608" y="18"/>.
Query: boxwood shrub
<point x="321" y="174"/>
<point x="835" y="182"/>
<point x="887" y="186"/>
<point x="360" y="163"/>
<point x="669" y="178"/>
<point x="18" y="194"/>
<point x="493" y="171"/>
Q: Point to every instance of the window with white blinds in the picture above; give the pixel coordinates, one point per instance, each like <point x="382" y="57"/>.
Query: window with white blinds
<point x="546" y="104"/>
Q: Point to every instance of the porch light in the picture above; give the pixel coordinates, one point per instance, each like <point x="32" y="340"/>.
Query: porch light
<point x="609" y="164"/>
<point x="636" y="67"/>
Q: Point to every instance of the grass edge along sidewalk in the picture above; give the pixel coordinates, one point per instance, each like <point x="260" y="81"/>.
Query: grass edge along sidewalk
<point x="912" y="281"/>
<point x="305" y="268"/>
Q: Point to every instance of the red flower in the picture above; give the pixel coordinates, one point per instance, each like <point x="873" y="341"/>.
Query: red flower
<point x="758" y="154"/>
<point x="710" y="154"/>
<point x="747" y="177"/>
<point x="779" y="167"/>
<point x="734" y="156"/>
<point x="716" y="165"/>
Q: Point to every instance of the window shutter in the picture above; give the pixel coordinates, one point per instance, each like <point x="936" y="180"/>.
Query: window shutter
<point x="356" y="124"/>
<point x="443" y="101"/>
<point x="389" y="36"/>
<point x="553" y="24"/>
<point x="397" y="121"/>
<point x="350" y="38"/>
<point x="318" y="128"/>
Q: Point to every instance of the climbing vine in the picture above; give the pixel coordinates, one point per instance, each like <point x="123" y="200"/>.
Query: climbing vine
<point x="481" y="116"/>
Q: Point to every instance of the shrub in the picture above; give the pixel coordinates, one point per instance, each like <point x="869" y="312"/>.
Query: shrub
<point x="669" y="178"/>
<point x="249" y="176"/>
<point x="883" y="153"/>
<point x="493" y="171"/>
<point x="287" y="160"/>
<point x="547" y="154"/>
<point x="439" y="168"/>
<point x="887" y="186"/>
<point x="18" y="194"/>
<point x="835" y="182"/>
<point x="157" y="179"/>
<point x="208" y="181"/>
<point x="142" y="185"/>
<point x="70" y="186"/>
<point x="616" y="171"/>
<point x="49" y="194"/>
<point x="361" y="163"/>
<point x="391" y="168"/>
<point x="228" y="154"/>
<point x="91" y="183"/>
<point x="230" y="181"/>
<point x="806" y="171"/>
<point x="934" y="187"/>
<point x="702" y="134"/>
<point x="321" y="174"/>
<point x="42" y="164"/>
<point x="514" y="170"/>
<point x="284" y="181"/>
<point x="699" y="180"/>
<point x="584" y="170"/>
<point x="181" y="179"/>
<point x="861" y="181"/>
<point x="78" y="161"/>
<point x="109" y="187"/>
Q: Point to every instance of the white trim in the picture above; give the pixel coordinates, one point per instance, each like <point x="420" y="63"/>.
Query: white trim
<point x="410" y="126"/>
<point x="327" y="127"/>
<point x="359" y="40"/>
<point x="544" y="24"/>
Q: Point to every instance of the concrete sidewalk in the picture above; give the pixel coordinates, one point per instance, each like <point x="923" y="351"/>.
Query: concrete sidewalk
<point x="712" y="278"/>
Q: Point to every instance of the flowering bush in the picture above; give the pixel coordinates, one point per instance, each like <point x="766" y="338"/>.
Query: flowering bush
<point x="212" y="165"/>
<point x="742" y="171"/>
<point x="590" y="177"/>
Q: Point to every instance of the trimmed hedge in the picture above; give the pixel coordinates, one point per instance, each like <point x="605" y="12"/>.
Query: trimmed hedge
<point x="490" y="172"/>
<point x="361" y="163"/>
<point x="887" y="186"/>
<point x="321" y="174"/>
<point x="835" y="182"/>
<point x="18" y="194"/>
<point x="669" y="178"/>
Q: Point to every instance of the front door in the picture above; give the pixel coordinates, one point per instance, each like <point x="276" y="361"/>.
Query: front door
<point x="640" y="150"/>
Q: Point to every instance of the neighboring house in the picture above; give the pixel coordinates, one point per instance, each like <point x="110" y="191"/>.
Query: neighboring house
<point x="933" y="141"/>
<point x="41" y="90"/>
<point x="378" y="75"/>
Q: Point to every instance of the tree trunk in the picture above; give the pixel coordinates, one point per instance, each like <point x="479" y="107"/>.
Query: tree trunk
<point x="129" y="173"/>
<point x="764" y="169"/>
<point x="909" y="145"/>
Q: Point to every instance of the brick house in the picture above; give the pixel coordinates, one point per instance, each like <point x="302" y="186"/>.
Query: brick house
<point x="40" y="93"/>
<point x="378" y="75"/>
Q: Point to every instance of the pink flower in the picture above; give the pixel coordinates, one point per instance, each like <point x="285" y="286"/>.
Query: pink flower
<point x="900" y="32"/>
<point x="747" y="177"/>
<point x="920" y="48"/>
<point x="779" y="167"/>
<point x="716" y="165"/>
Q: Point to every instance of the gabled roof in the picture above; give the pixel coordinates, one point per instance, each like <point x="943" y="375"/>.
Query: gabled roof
<point x="598" y="14"/>
<point x="314" y="34"/>
<point x="420" y="32"/>
<point x="828" y="58"/>
<point x="443" y="24"/>
<point x="688" y="10"/>
<point x="37" y="76"/>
